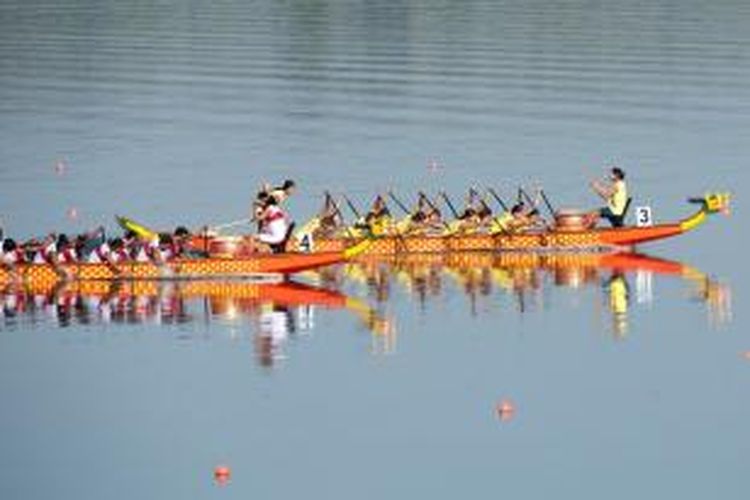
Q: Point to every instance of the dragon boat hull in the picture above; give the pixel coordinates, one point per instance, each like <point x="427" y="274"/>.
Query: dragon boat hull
<point x="536" y="241"/>
<point x="199" y="268"/>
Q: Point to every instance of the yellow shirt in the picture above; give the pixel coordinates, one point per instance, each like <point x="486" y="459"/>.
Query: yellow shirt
<point x="501" y="224"/>
<point x="618" y="296"/>
<point x="619" y="198"/>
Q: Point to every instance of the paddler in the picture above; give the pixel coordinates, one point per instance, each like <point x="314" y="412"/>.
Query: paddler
<point x="88" y="242"/>
<point x="475" y="215"/>
<point x="183" y="244"/>
<point x="12" y="254"/>
<point x="330" y="219"/>
<point x="131" y="243"/>
<point x="45" y="252"/>
<point x="111" y="252"/>
<point x="378" y="219"/>
<point x="100" y="254"/>
<point x="614" y="191"/>
<point x="520" y="218"/>
<point x="422" y="218"/>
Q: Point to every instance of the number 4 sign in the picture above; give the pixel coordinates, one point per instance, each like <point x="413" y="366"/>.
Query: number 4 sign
<point x="643" y="217"/>
<point x="306" y="244"/>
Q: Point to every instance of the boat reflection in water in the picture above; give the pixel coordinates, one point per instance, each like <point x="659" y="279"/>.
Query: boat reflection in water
<point x="274" y="311"/>
<point x="623" y="278"/>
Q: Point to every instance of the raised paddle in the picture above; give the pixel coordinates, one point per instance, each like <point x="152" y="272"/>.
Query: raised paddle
<point x="352" y="207"/>
<point x="546" y="202"/>
<point x="523" y="195"/>
<point x="498" y="199"/>
<point x="450" y="204"/>
<point x="435" y="209"/>
<point x="398" y="202"/>
<point x="337" y="211"/>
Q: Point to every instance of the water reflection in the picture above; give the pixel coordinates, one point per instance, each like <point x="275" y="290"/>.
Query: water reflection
<point x="275" y="312"/>
<point x="620" y="280"/>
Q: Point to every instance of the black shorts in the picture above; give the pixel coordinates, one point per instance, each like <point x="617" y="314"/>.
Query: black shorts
<point x="615" y="220"/>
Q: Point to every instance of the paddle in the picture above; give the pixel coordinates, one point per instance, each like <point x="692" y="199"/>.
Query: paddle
<point x="337" y="211"/>
<point x="498" y="199"/>
<point x="352" y="207"/>
<point x="482" y="200"/>
<point x="399" y="203"/>
<point x="523" y="195"/>
<point x="435" y="210"/>
<point x="546" y="202"/>
<point x="502" y="204"/>
<point x="450" y="204"/>
<point x="233" y="223"/>
<point x="533" y="204"/>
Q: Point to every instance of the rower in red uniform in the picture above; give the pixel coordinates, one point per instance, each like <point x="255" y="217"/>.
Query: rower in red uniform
<point x="100" y="254"/>
<point x="12" y="254"/>
<point x="46" y="252"/>
<point x="118" y="252"/>
<point x="66" y="252"/>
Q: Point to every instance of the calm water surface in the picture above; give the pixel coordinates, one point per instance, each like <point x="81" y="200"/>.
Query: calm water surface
<point x="379" y="380"/>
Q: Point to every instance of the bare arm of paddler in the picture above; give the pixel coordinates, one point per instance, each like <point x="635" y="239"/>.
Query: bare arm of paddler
<point x="602" y="188"/>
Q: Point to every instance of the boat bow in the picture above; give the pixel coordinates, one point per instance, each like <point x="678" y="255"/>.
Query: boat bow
<point x="711" y="203"/>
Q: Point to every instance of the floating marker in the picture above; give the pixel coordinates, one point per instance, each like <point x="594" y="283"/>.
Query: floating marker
<point x="72" y="213"/>
<point x="60" y="167"/>
<point x="505" y="410"/>
<point x="222" y="474"/>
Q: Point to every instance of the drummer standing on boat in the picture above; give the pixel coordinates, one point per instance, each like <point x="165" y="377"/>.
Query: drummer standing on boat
<point x="615" y="193"/>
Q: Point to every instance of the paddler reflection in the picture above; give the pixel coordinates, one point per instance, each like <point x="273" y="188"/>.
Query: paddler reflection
<point x="618" y="290"/>
<point x="275" y="324"/>
<point x="530" y="278"/>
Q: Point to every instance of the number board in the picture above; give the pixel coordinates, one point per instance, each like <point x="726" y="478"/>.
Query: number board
<point x="306" y="244"/>
<point x="644" y="216"/>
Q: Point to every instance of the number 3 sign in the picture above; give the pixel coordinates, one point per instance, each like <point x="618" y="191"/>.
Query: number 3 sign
<point x="643" y="217"/>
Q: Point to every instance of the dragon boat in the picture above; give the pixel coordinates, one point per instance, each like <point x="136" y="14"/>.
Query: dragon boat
<point x="212" y="267"/>
<point x="560" y="236"/>
<point x="557" y="237"/>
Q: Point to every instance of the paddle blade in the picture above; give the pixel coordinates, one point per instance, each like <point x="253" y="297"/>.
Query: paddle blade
<point x="140" y="230"/>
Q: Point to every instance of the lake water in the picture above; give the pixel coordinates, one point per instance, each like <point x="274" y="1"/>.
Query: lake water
<point x="385" y="379"/>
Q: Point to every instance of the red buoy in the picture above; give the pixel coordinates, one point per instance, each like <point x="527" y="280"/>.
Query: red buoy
<point x="222" y="474"/>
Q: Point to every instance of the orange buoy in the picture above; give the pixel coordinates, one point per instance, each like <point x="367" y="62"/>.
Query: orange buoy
<point x="222" y="473"/>
<point x="72" y="213"/>
<point x="505" y="410"/>
<point x="746" y="355"/>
